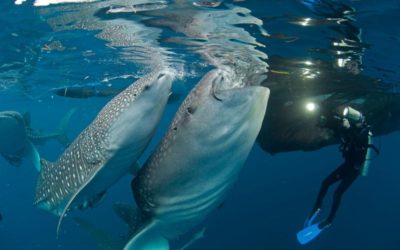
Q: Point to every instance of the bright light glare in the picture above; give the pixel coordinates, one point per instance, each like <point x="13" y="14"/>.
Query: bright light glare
<point x="345" y="111"/>
<point x="311" y="106"/>
<point x="305" y="22"/>
<point x="308" y="63"/>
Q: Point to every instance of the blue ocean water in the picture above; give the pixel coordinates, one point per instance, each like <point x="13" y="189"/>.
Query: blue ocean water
<point x="43" y="48"/>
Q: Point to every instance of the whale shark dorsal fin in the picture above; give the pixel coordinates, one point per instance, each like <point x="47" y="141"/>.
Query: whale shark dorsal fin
<point x="34" y="156"/>
<point x="148" y="238"/>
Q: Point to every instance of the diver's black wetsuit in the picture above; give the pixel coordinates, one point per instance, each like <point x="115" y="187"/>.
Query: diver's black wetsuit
<point x="354" y="148"/>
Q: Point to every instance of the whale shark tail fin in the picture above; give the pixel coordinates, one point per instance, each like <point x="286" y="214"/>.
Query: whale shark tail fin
<point x="62" y="137"/>
<point x="147" y="238"/>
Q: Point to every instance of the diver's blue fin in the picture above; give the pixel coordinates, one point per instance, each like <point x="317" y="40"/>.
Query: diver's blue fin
<point x="34" y="156"/>
<point x="309" y="233"/>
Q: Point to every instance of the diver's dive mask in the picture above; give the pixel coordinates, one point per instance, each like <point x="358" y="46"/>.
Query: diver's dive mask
<point x="352" y="116"/>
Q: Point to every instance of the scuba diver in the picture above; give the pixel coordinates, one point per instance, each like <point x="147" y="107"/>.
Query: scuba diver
<point x="356" y="144"/>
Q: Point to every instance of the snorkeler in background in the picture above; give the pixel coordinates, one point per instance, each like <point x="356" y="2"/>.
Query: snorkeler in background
<point x="356" y="144"/>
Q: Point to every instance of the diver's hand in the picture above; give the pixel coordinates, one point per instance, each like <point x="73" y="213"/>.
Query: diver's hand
<point x="345" y="123"/>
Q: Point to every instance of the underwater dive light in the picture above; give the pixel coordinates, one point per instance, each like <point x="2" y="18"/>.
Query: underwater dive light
<point x="310" y="106"/>
<point x="352" y="115"/>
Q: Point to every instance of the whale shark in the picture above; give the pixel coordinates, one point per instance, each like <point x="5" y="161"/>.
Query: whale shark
<point x="107" y="149"/>
<point x="198" y="160"/>
<point x="18" y="138"/>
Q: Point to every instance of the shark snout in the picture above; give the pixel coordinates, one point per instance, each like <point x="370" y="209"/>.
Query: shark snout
<point x="166" y="76"/>
<point x="164" y="82"/>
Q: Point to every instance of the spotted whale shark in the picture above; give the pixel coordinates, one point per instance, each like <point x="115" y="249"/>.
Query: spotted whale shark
<point x="104" y="151"/>
<point x="197" y="161"/>
<point x="18" y="139"/>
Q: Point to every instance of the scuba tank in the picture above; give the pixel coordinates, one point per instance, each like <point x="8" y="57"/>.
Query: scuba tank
<point x="368" y="156"/>
<point x="354" y="116"/>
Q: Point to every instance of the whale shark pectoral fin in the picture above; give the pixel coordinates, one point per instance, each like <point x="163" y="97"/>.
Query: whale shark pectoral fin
<point x="43" y="190"/>
<point x="65" y="210"/>
<point x="71" y="201"/>
<point x="147" y="239"/>
<point x="34" y="156"/>
<point x="63" y="214"/>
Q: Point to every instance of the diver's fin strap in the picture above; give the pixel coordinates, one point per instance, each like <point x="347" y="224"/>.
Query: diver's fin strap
<point x="309" y="220"/>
